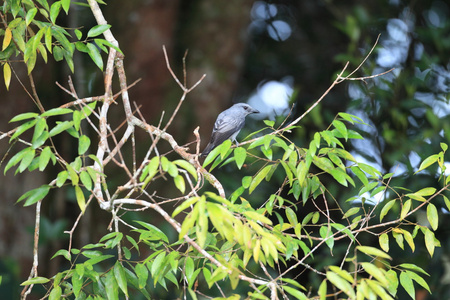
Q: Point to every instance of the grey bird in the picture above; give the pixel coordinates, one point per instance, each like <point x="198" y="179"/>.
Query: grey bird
<point x="228" y="124"/>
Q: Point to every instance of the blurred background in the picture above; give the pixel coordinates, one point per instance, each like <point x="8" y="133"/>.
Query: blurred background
<point x="280" y="57"/>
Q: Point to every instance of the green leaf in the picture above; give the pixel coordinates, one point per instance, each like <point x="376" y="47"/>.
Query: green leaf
<point x="157" y="263"/>
<point x="378" y="289"/>
<point x="419" y="195"/>
<point x="23" y="116"/>
<point x="78" y="34"/>
<point x="343" y="273"/>
<point x="180" y="183"/>
<point x="149" y="171"/>
<point x="189" y="267"/>
<point x="80" y="198"/>
<point x="98" y="29"/>
<point x="340" y="176"/>
<point x="64" y="253"/>
<point x="257" y="217"/>
<point x="77" y="283"/>
<point x="73" y="175"/>
<point x="111" y="287"/>
<point x="16" y="158"/>
<point x="360" y="174"/>
<point x="302" y="172"/>
<point x="376" y="272"/>
<point x="386" y="209"/>
<point x="77" y="116"/>
<point x="221" y="149"/>
<point x="35" y="195"/>
<point x="95" y="55"/>
<point x="22" y="128"/>
<point x="61" y="178"/>
<point x="407" y="284"/>
<point x="373" y="251"/>
<point x="409" y="239"/>
<point x="341" y="284"/>
<point x="429" y="241"/>
<point x="294" y="292"/>
<point x="322" y="292"/>
<point x="142" y="274"/>
<point x="384" y="242"/>
<point x="187" y="166"/>
<point x="269" y="123"/>
<point x="414" y="268"/>
<point x="323" y="163"/>
<point x="291" y="216"/>
<point x="119" y="274"/>
<point x="48" y="38"/>
<point x="184" y="205"/>
<point x="105" y="42"/>
<point x="419" y="280"/>
<point x="428" y="162"/>
<point x="86" y="180"/>
<point x="57" y="112"/>
<point x="65" y="5"/>
<point x="351" y="118"/>
<point x="44" y="158"/>
<point x="405" y="209"/>
<point x="240" y="155"/>
<point x="60" y="127"/>
<point x="35" y="280"/>
<point x="258" y="178"/>
<point x="40" y="140"/>
<point x="352" y="211"/>
<point x="83" y="144"/>
<point x="391" y="276"/>
<point x="432" y="216"/>
<point x="54" y="11"/>
<point x="155" y="234"/>
<point x="327" y="235"/>
<point x="341" y="128"/>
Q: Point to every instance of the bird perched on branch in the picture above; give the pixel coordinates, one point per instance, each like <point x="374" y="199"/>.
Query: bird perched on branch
<point x="228" y="124"/>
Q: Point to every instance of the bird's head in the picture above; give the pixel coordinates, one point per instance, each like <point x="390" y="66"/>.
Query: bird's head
<point x="245" y="108"/>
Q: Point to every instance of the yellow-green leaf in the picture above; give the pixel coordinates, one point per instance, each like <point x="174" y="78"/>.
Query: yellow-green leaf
<point x="119" y="274"/>
<point x="386" y="209"/>
<point x="187" y="166"/>
<point x="149" y="171"/>
<point x="180" y="183"/>
<point x="405" y="209"/>
<point x="428" y="162"/>
<point x="407" y="284"/>
<point x="80" y="198"/>
<point x="373" y="251"/>
<point x="239" y="155"/>
<point x="341" y="284"/>
<point x="429" y="241"/>
<point x="257" y="217"/>
<point x="376" y="272"/>
<point x="432" y="215"/>
<point x="258" y="178"/>
<point x="409" y="239"/>
<point x="384" y="242"/>
<point x="7" y="38"/>
<point x="7" y="75"/>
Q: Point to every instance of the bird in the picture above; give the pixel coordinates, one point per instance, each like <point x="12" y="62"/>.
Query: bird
<point x="228" y="124"/>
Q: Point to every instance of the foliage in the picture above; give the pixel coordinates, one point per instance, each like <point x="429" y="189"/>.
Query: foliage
<point x="225" y="245"/>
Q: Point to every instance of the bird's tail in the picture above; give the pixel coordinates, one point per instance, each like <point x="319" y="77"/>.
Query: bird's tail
<point x="208" y="149"/>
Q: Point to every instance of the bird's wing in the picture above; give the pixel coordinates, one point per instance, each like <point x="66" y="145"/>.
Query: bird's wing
<point x="225" y="127"/>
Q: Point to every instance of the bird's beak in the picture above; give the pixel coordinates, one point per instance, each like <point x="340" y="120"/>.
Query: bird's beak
<point x="255" y="111"/>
